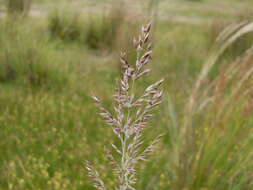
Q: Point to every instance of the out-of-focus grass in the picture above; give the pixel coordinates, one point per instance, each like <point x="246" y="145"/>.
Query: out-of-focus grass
<point x="207" y="9"/>
<point x="27" y="56"/>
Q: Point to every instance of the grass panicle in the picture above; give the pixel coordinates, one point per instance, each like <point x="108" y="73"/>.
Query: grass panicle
<point x="132" y="113"/>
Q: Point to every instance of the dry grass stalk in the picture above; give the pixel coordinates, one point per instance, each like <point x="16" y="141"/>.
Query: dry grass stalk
<point x="225" y="39"/>
<point x="214" y="122"/>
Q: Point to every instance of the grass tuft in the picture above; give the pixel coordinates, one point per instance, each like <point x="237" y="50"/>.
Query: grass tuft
<point x="26" y="57"/>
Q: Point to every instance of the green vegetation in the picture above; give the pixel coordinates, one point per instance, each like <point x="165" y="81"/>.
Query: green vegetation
<point x="97" y="32"/>
<point x="18" y="6"/>
<point x="27" y="57"/>
<point x="50" y="66"/>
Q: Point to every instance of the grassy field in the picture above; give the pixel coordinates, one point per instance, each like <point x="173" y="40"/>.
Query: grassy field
<point x="52" y="62"/>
